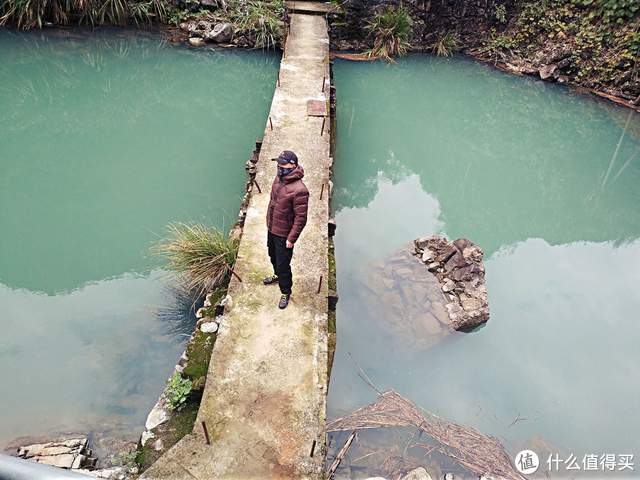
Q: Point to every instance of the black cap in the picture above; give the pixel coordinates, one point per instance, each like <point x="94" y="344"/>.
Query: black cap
<point x="287" y="156"/>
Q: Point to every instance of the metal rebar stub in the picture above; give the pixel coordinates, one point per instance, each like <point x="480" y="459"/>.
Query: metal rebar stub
<point x="206" y="432"/>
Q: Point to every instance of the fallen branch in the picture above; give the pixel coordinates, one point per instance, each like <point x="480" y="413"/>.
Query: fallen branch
<point x="481" y="454"/>
<point x="343" y="451"/>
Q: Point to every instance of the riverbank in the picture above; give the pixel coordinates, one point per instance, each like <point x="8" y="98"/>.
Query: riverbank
<point x="592" y="47"/>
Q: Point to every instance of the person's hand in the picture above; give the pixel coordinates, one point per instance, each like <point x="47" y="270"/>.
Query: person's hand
<point x="289" y="244"/>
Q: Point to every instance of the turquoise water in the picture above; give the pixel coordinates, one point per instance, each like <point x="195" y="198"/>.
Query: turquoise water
<point x="104" y="140"/>
<point x="546" y="181"/>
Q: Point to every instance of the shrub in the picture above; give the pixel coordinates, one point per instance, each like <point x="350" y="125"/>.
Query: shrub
<point x="391" y="30"/>
<point x="178" y="390"/>
<point x="445" y="45"/>
<point x="202" y="256"/>
<point x="262" y="19"/>
<point x="34" y="13"/>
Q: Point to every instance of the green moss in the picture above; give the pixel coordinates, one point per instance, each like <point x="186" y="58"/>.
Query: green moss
<point x="256" y="276"/>
<point x="198" y="354"/>
<point x="332" y="265"/>
<point x="179" y="424"/>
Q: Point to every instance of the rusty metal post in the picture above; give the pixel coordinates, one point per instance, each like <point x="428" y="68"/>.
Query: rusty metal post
<point x="321" y="191"/>
<point x="324" y="79"/>
<point x="206" y="433"/>
<point x="313" y="448"/>
<point x="319" y="285"/>
<point x="322" y="130"/>
<point x="257" y="186"/>
<point x="270" y="123"/>
<point x="233" y="272"/>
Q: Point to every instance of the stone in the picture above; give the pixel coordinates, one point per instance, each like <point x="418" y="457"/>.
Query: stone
<point x="209" y="4"/>
<point x="428" y="256"/>
<point x="146" y="436"/>
<point x="547" y="71"/>
<point x="468" y="273"/>
<point x="78" y="461"/>
<point x="470" y="303"/>
<point x="453" y="309"/>
<point x="61" y="461"/>
<point x="156" y="416"/>
<point x="221" y="33"/>
<point x="448" y="286"/>
<point x="196" y="41"/>
<point x="472" y="254"/>
<point x="419" y="473"/>
<point x="433" y="266"/>
<point x="201" y="312"/>
<point x="456" y="261"/>
<point x="209" y="327"/>
<point x="446" y="254"/>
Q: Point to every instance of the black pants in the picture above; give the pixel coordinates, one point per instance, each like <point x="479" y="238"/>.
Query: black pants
<point x="280" y="257"/>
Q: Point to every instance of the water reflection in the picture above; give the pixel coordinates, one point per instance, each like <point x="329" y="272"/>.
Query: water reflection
<point x="112" y="134"/>
<point x="525" y="170"/>
<point x="101" y="352"/>
<point x="461" y="126"/>
<point x="105" y="138"/>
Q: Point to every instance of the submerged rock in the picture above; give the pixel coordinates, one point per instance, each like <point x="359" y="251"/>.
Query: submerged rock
<point x="221" y="33"/>
<point x="196" y="41"/>
<point x="70" y="453"/>
<point x="419" y="473"/>
<point x="459" y="269"/>
<point x="409" y="304"/>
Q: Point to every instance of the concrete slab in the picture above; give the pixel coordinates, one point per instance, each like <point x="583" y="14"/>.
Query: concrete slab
<point x="310" y="6"/>
<point x="264" y="400"/>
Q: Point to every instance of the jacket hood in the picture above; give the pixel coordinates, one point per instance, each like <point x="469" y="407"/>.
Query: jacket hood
<point x="296" y="174"/>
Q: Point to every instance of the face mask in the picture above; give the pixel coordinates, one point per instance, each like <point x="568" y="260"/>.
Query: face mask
<point x="285" y="171"/>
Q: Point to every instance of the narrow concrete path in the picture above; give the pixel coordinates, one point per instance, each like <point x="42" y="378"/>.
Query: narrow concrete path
<point x="264" y="400"/>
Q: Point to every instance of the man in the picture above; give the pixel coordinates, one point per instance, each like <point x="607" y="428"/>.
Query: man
<point x="286" y="217"/>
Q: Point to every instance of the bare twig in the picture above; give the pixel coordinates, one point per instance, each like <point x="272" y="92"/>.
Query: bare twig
<point x="343" y="451"/>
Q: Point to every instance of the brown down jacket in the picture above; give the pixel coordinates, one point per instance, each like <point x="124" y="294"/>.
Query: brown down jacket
<point x="287" y="212"/>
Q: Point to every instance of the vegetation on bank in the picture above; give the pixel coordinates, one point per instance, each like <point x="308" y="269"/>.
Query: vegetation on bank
<point x="203" y="257"/>
<point x="592" y="43"/>
<point x="390" y="29"/>
<point x="595" y="42"/>
<point x="259" y="23"/>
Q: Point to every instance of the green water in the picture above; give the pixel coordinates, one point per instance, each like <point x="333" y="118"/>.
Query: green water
<point x="104" y="139"/>
<point x="548" y="183"/>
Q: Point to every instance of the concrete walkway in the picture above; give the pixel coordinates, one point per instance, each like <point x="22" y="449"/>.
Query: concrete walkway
<point x="264" y="400"/>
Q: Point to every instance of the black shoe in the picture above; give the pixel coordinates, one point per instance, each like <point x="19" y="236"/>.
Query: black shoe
<point x="270" y="280"/>
<point x="284" y="301"/>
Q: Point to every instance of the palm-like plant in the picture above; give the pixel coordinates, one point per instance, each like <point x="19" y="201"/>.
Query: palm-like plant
<point x="391" y="30"/>
<point x="445" y="44"/>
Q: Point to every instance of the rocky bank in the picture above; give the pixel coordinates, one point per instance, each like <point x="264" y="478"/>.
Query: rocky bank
<point x="458" y="267"/>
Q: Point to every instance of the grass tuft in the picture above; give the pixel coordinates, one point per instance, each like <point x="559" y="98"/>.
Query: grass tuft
<point x="446" y="44"/>
<point x="262" y="19"/>
<point x="202" y="256"/>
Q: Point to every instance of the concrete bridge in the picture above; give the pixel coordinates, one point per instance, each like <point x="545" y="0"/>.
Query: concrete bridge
<point x="264" y="399"/>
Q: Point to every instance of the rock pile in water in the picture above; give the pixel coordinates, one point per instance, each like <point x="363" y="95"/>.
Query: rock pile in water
<point x="458" y="267"/>
<point x="70" y="453"/>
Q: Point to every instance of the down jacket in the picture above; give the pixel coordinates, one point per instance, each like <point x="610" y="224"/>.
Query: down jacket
<point x="287" y="212"/>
